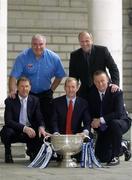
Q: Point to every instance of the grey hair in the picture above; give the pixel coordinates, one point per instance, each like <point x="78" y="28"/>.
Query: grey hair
<point x="39" y="36"/>
<point x="69" y="79"/>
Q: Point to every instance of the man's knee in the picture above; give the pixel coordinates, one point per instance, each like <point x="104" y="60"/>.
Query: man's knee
<point x="114" y="125"/>
<point x="7" y="134"/>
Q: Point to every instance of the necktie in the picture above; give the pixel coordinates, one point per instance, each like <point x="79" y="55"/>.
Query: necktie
<point x="103" y="126"/>
<point x="102" y="97"/>
<point x="23" y="112"/>
<point x="88" y="68"/>
<point x="87" y="55"/>
<point x="101" y="105"/>
<point x="69" y="118"/>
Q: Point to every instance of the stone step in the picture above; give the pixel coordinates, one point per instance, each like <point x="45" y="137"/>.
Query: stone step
<point x="18" y="150"/>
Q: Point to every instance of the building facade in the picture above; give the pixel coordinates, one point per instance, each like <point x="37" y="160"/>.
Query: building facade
<point x="61" y="21"/>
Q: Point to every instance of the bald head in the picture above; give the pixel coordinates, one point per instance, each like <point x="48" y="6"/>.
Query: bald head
<point x="85" y="40"/>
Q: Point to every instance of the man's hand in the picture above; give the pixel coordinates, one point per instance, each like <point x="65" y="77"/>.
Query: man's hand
<point x="95" y="123"/>
<point x="114" y="88"/>
<point x="82" y="134"/>
<point x="12" y="87"/>
<point x="56" y="133"/>
<point x="29" y="131"/>
<point x="12" y="94"/>
<point x="43" y="133"/>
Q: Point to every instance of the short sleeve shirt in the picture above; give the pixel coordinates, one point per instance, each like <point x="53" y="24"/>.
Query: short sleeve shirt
<point x="39" y="71"/>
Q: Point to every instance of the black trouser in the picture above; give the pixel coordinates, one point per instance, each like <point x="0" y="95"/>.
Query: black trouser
<point x="45" y="99"/>
<point x="9" y="136"/>
<point x="108" y="144"/>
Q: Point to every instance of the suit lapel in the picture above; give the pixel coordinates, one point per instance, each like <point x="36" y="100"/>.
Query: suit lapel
<point x="17" y="107"/>
<point x="29" y="107"/>
<point x="107" y="98"/>
<point x="97" y="101"/>
<point x="76" y="110"/>
<point x="92" y="55"/>
<point x="64" y="107"/>
<point x="92" y="61"/>
<point x="82" y="60"/>
<point x="88" y="65"/>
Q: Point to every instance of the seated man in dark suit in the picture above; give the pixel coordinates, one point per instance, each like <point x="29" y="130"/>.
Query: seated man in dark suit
<point x="23" y="121"/>
<point x="80" y="114"/>
<point x="66" y="121"/>
<point x="109" y="118"/>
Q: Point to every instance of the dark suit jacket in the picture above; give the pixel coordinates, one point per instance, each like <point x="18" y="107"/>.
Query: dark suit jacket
<point x="99" y="59"/>
<point x="12" y="112"/>
<point x="80" y="115"/>
<point x="112" y="106"/>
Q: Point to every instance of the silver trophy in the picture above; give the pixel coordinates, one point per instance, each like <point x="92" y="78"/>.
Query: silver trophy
<point x="67" y="145"/>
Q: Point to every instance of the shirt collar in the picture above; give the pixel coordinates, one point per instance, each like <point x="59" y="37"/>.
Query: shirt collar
<point x="68" y="99"/>
<point x="21" y="98"/>
<point x="101" y="92"/>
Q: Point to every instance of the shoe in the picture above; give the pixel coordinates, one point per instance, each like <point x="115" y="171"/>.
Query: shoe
<point x="115" y="161"/>
<point x="32" y="156"/>
<point x="126" y="150"/>
<point x="57" y="158"/>
<point x="8" y="158"/>
<point x="127" y="155"/>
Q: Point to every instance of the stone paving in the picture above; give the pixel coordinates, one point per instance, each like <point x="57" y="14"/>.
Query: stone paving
<point x="20" y="171"/>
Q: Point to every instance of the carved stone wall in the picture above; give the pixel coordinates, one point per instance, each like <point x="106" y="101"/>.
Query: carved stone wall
<point x="127" y="55"/>
<point x="61" y="21"/>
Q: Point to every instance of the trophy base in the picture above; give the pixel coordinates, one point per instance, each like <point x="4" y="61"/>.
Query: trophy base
<point x="68" y="163"/>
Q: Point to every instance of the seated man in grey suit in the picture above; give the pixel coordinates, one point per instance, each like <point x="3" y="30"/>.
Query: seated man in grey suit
<point x="80" y="118"/>
<point x="109" y="118"/>
<point x="23" y="121"/>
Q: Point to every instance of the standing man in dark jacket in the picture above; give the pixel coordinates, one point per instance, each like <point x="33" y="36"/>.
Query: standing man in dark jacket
<point x="23" y="121"/>
<point x="109" y="118"/>
<point x="88" y="59"/>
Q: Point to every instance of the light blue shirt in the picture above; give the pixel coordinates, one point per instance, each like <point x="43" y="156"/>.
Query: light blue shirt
<point x="23" y="118"/>
<point x="39" y="71"/>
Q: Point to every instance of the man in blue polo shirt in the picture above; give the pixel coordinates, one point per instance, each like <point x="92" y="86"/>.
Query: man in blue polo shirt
<point x="40" y="65"/>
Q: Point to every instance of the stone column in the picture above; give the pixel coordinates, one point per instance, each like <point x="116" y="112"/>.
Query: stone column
<point x="3" y="52"/>
<point x="105" y="24"/>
